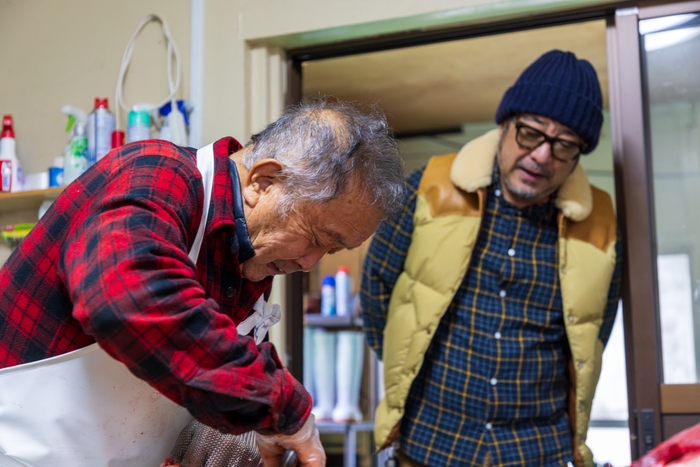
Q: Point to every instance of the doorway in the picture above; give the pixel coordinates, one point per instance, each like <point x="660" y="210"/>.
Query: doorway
<point x="441" y="95"/>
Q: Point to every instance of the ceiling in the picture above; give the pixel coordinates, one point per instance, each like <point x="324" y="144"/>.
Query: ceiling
<point x="438" y="87"/>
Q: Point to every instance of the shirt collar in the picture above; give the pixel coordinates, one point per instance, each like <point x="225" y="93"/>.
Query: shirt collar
<point x="245" y="246"/>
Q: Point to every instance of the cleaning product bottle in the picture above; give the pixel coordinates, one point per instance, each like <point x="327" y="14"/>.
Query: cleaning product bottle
<point x="328" y="296"/>
<point x="117" y="139"/>
<point x="10" y="170"/>
<point x="342" y="291"/>
<point x="139" y="126"/>
<point x="56" y="172"/>
<point x="100" y="125"/>
<point x="175" y="132"/>
<point x="76" y="158"/>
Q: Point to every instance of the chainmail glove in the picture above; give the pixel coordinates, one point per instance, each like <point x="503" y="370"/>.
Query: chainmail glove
<point x="305" y="443"/>
<point x="201" y="446"/>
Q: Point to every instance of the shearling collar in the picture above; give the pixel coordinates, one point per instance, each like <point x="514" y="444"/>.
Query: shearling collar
<point x="473" y="167"/>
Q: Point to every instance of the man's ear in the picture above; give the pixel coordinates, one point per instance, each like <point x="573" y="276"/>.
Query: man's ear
<point x="503" y="127"/>
<point x="261" y="180"/>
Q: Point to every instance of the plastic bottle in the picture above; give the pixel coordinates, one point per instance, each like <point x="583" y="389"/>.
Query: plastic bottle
<point x="139" y="126"/>
<point x="117" y="138"/>
<point x="328" y="296"/>
<point x="100" y="125"/>
<point x="342" y="291"/>
<point x="164" y="132"/>
<point x="76" y="156"/>
<point x="10" y="169"/>
<point x="56" y="172"/>
<point x="179" y="135"/>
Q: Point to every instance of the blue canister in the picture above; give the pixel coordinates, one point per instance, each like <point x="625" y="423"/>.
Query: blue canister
<point x="328" y="296"/>
<point x="55" y="176"/>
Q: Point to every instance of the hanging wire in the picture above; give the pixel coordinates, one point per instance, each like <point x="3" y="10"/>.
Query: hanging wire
<point x="173" y="65"/>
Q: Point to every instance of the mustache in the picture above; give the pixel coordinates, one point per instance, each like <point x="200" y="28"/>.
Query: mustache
<point x="533" y="167"/>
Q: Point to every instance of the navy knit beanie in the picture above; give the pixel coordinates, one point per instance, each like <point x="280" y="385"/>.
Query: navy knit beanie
<point x="559" y="86"/>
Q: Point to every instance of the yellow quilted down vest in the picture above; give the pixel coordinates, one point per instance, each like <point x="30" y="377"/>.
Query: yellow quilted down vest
<point x="450" y="202"/>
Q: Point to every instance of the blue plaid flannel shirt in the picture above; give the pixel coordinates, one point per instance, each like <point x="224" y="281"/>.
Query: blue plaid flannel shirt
<point x="495" y="376"/>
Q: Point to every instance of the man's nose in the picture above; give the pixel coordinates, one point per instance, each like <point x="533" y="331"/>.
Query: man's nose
<point x="309" y="260"/>
<point x="542" y="153"/>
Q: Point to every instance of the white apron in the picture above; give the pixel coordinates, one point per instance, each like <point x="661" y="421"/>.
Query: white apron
<point x="85" y="409"/>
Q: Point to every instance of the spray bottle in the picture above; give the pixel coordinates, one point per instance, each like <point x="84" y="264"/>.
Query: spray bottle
<point x="100" y="125"/>
<point x="76" y="156"/>
<point x="139" y="122"/>
<point x="10" y="170"/>
<point x="175" y="132"/>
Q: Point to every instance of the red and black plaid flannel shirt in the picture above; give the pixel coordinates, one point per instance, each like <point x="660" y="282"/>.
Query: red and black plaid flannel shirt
<point x="109" y="263"/>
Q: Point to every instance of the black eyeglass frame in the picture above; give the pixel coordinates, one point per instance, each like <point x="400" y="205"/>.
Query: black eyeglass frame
<point x="546" y="139"/>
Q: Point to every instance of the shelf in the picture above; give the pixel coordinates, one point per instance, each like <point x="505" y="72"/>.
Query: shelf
<point x="26" y="200"/>
<point x="316" y="320"/>
<point x="343" y="427"/>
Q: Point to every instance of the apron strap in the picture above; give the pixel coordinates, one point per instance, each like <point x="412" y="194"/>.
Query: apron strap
<point x="205" y="165"/>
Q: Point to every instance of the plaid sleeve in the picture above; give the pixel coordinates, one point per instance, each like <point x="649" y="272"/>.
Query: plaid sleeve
<point x="134" y="289"/>
<point x="384" y="263"/>
<point x="613" y="295"/>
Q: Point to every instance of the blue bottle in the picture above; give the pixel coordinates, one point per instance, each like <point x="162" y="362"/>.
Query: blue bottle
<point x="328" y="296"/>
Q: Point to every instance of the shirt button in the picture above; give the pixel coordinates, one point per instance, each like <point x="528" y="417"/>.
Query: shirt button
<point x="570" y="318"/>
<point x="223" y="430"/>
<point x="230" y="292"/>
<point x="502" y="293"/>
<point x="579" y="365"/>
<point x="497" y="335"/>
<point x="511" y="252"/>
<point x="488" y="426"/>
<point x="497" y="192"/>
<point x="493" y="381"/>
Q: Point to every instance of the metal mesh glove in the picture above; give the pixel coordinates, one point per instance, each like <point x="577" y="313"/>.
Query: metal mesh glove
<point x="201" y="446"/>
<point x="305" y="443"/>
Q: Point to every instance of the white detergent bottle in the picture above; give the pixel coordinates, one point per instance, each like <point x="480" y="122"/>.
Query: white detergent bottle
<point x="10" y="170"/>
<point x="343" y="291"/>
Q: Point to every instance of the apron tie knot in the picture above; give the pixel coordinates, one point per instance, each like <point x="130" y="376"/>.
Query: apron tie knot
<point x="264" y="316"/>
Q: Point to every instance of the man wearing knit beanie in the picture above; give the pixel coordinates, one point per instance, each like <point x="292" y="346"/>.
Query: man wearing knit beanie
<point x="491" y="296"/>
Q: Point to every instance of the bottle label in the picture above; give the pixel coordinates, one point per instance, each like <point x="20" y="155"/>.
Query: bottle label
<point x="138" y="133"/>
<point x="328" y="300"/>
<point x="104" y="123"/>
<point x="6" y="174"/>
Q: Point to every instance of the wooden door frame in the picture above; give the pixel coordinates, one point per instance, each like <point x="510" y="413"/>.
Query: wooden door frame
<point x="632" y="185"/>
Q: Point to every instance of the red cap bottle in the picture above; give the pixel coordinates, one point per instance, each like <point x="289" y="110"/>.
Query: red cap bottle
<point x="7" y="130"/>
<point x="102" y="103"/>
<point x="117" y="138"/>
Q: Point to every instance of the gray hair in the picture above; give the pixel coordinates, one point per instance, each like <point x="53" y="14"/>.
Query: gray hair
<point x="325" y="145"/>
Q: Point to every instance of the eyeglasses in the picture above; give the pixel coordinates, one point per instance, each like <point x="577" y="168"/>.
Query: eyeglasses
<point x="531" y="138"/>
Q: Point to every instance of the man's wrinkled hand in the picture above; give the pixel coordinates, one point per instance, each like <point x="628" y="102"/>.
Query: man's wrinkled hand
<point x="305" y="443"/>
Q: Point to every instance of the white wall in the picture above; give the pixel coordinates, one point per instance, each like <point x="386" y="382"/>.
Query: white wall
<point x="57" y="52"/>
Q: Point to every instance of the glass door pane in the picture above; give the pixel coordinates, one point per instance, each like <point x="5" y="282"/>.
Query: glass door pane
<point x="671" y="58"/>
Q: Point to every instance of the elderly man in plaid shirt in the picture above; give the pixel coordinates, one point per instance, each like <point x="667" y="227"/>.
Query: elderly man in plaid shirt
<point x="491" y="296"/>
<point x="109" y="263"/>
